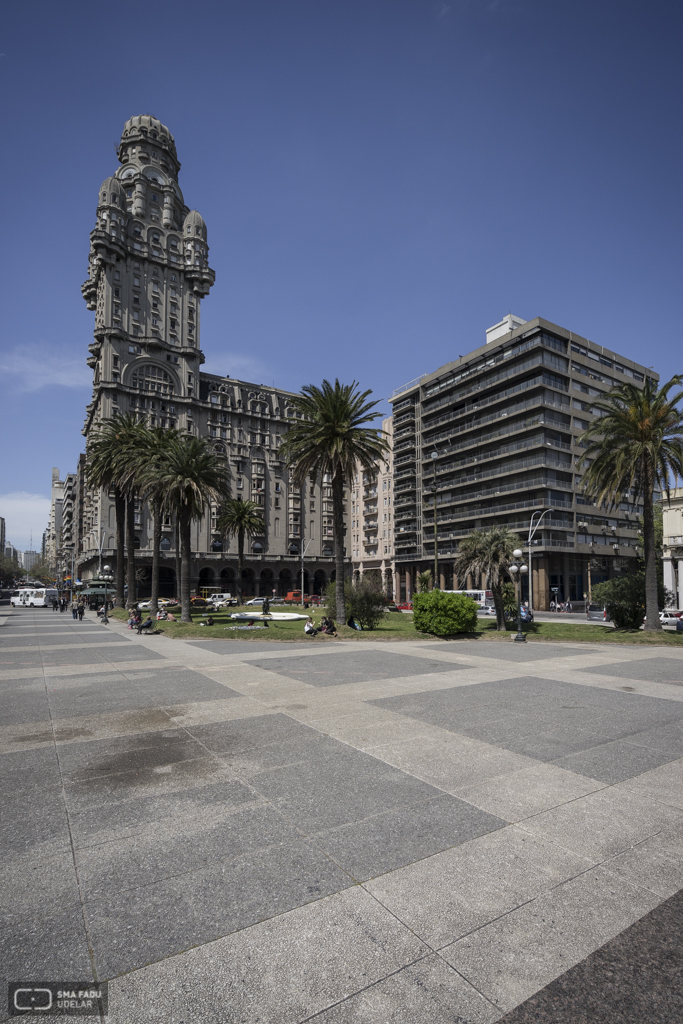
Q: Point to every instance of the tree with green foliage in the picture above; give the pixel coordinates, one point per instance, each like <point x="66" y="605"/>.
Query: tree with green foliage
<point x="488" y="553"/>
<point x="240" y="519"/>
<point x="192" y="474"/>
<point x="364" y="601"/>
<point x="332" y="439"/>
<point x="110" y="454"/>
<point x="149" y="471"/>
<point x="444" y="614"/>
<point x="634" y="446"/>
<point x="624" y="599"/>
<point x="424" y="581"/>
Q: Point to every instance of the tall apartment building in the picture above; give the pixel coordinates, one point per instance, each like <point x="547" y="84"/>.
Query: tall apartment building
<point x="502" y="425"/>
<point x="148" y="276"/>
<point x="53" y="539"/>
<point x="2" y="535"/>
<point x="372" y="525"/>
<point x="29" y="559"/>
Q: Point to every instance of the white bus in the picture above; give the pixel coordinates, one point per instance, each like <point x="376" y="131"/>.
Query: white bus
<point x="482" y="598"/>
<point x="33" y="597"/>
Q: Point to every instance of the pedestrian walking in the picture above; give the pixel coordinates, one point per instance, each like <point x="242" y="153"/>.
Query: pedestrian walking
<point x="55" y="604"/>
<point x="74" y="609"/>
<point x="81" y="611"/>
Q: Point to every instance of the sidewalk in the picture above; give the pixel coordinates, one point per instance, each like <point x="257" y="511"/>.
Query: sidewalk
<point x="278" y="833"/>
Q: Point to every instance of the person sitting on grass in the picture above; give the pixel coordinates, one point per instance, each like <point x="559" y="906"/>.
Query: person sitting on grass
<point x="170" y="617"/>
<point x="309" y="627"/>
<point x="327" y="626"/>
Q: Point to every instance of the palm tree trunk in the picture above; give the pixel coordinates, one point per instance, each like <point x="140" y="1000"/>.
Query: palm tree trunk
<point x="651" y="596"/>
<point x="120" y="509"/>
<point x="156" y="547"/>
<point x="130" y="551"/>
<point x="338" y="512"/>
<point x="498" y="604"/>
<point x="186" y="558"/>
<point x="178" y="567"/>
<point x="240" y="564"/>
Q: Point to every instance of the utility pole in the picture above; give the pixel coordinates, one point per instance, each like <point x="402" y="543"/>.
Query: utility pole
<point x="435" y="583"/>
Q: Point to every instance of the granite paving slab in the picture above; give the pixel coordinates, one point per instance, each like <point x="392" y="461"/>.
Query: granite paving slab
<point x="81" y="762"/>
<point x="512" y="957"/>
<point x="635" y="978"/>
<point x="70" y="638"/>
<point x="395" y="838"/>
<point x="343" y="943"/>
<point x="428" y="991"/>
<point x="653" y="670"/>
<point x="137" y="926"/>
<point x="340" y="667"/>
<point x="249" y="646"/>
<point x="512" y="652"/>
<point x="574" y="725"/>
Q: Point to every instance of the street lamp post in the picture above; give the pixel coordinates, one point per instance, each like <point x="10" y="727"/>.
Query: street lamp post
<point x="435" y="584"/>
<point x="108" y="578"/>
<point x="532" y="530"/>
<point x="518" y="569"/>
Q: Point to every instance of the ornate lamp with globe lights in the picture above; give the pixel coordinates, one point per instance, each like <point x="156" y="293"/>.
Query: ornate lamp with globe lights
<point x="106" y="577"/>
<point x="517" y="570"/>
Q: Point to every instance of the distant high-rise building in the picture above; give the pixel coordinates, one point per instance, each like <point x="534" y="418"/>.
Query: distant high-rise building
<point x="503" y="424"/>
<point x="54" y="527"/>
<point x="29" y="559"/>
<point x="2" y="535"/>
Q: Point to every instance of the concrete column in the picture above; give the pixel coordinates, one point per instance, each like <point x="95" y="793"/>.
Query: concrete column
<point x="680" y="583"/>
<point x="442" y="580"/>
<point x="409" y="587"/>
<point x="541" y="592"/>
<point x="670" y="579"/>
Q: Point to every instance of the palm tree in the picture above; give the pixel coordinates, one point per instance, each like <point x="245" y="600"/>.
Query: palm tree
<point x="489" y="553"/>
<point x="634" y="446"/>
<point x="132" y="437"/>
<point x="332" y="439"/>
<point x="241" y="519"/>
<point x="107" y="468"/>
<point x="150" y="459"/>
<point x="192" y="475"/>
<point x="424" y="581"/>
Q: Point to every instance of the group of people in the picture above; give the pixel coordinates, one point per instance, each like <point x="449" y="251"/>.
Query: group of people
<point x="327" y="626"/>
<point x="560" y="606"/>
<point x="77" y="606"/>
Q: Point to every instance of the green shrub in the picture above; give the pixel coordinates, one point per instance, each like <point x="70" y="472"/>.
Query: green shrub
<point x="444" y="614"/>
<point x="364" y="601"/>
<point x="624" y="599"/>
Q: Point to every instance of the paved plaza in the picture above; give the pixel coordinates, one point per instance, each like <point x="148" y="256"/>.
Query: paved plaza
<point x="361" y="833"/>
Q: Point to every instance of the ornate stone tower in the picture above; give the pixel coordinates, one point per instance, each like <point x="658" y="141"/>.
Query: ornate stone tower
<point x="148" y="272"/>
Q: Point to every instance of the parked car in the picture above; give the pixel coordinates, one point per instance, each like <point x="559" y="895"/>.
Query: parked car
<point x="405" y="606"/>
<point x="597" y="612"/>
<point x="256" y="600"/>
<point x="226" y="602"/>
<point x="669" y="617"/>
<point x="163" y="602"/>
<point x="200" y="602"/>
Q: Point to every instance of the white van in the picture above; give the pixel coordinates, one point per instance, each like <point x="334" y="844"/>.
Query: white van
<point x="32" y="597"/>
<point x="42" y="597"/>
<point x="222" y="599"/>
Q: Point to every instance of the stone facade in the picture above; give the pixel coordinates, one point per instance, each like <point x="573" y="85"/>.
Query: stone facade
<point x="672" y="547"/>
<point x="148" y="276"/>
<point x="372" y="527"/>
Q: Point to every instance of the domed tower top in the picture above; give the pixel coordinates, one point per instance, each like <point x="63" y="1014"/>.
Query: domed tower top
<point x="112" y="194"/>
<point x="194" y="225"/>
<point x="148" y="132"/>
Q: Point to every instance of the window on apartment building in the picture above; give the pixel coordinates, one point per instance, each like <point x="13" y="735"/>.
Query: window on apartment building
<point x="240" y="483"/>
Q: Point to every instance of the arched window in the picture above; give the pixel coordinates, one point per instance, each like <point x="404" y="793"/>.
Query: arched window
<point x="152" y="378"/>
<point x="257" y="548"/>
<point x="217" y="545"/>
<point x="165" y="544"/>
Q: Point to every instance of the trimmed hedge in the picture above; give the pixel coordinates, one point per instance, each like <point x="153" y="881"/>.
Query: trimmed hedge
<point x="444" y="614"/>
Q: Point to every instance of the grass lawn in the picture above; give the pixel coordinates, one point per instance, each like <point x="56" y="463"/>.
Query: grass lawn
<point x="397" y="626"/>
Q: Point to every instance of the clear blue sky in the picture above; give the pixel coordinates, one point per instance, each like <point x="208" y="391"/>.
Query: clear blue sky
<point x="381" y="180"/>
